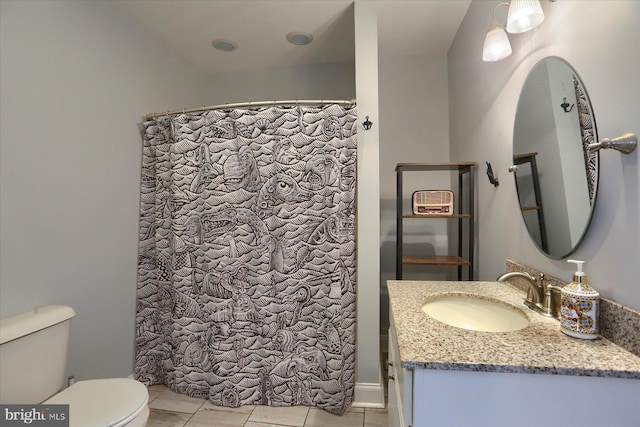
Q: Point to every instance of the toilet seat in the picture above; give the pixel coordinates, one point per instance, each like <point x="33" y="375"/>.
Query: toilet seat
<point x="111" y="402"/>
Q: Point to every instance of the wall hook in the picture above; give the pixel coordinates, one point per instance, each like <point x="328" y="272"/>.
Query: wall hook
<point x="492" y="178"/>
<point x="367" y="124"/>
<point x="566" y="106"/>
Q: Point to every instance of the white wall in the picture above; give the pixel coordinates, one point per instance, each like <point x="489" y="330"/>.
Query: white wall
<point x="369" y="383"/>
<point x="318" y="81"/>
<point x="414" y="127"/>
<point x="600" y="40"/>
<point x="76" y="80"/>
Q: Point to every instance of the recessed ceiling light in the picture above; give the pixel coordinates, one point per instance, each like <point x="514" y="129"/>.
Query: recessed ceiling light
<point x="224" y="45"/>
<point x="298" y="38"/>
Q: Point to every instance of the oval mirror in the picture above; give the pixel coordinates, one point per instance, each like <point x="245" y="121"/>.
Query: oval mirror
<point x="556" y="176"/>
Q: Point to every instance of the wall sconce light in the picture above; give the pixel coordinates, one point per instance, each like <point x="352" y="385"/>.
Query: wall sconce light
<point x="496" y="42"/>
<point x="523" y="16"/>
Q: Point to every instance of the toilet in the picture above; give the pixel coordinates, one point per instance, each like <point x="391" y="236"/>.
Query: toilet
<point x="33" y="352"/>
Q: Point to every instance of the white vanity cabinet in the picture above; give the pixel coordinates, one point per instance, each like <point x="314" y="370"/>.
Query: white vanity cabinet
<point x="400" y="387"/>
<point x="436" y="398"/>
<point x="456" y="389"/>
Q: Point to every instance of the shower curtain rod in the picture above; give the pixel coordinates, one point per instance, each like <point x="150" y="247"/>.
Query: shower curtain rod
<point x="248" y="104"/>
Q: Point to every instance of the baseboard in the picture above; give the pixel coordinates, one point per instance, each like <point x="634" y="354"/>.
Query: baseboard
<point x="369" y="395"/>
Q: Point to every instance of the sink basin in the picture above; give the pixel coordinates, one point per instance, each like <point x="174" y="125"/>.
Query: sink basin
<point x="475" y="314"/>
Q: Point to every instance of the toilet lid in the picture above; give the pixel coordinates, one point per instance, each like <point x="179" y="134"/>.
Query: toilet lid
<point x="109" y="402"/>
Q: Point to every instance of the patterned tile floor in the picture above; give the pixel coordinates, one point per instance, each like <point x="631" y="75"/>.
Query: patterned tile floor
<point x="169" y="409"/>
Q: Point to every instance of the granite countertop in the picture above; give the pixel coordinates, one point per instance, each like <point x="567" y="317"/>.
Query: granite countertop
<point x="540" y="348"/>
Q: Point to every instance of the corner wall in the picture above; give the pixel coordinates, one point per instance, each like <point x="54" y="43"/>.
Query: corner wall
<point x="369" y="389"/>
<point x="601" y="42"/>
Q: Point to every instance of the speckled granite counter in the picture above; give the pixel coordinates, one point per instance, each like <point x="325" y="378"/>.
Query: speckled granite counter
<point x="540" y="348"/>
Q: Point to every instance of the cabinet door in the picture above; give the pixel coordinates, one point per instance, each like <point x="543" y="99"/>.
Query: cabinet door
<point x="400" y="388"/>
<point x="393" y="409"/>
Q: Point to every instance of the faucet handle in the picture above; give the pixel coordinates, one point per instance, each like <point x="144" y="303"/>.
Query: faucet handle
<point x="547" y="301"/>
<point x="547" y="304"/>
<point x="554" y="288"/>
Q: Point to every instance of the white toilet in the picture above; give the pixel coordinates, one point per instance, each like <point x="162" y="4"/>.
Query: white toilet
<point x="33" y="358"/>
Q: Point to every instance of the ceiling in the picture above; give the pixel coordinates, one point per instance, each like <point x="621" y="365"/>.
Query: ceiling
<point x="259" y="27"/>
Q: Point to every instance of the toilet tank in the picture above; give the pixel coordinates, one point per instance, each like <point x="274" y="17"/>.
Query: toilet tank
<point x="33" y="354"/>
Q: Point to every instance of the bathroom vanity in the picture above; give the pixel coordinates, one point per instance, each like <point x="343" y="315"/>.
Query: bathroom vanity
<point x="440" y="375"/>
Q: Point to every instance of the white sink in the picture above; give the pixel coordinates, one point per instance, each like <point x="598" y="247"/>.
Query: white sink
<point x="475" y="314"/>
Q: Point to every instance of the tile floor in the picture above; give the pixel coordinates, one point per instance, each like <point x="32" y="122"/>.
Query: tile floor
<point x="169" y="409"/>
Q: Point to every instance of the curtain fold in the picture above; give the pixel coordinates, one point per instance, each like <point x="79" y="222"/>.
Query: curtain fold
<point x="588" y="135"/>
<point x="246" y="270"/>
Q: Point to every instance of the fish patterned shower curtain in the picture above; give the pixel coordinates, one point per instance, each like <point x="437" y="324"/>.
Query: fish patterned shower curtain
<point x="246" y="269"/>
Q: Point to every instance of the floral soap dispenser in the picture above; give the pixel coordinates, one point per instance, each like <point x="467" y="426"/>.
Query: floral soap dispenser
<point x="579" y="306"/>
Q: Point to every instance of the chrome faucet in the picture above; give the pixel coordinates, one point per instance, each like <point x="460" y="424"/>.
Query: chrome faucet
<point x="539" y="297"/>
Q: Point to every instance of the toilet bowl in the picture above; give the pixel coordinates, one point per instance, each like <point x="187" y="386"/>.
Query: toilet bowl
<point x="33" y="350"/>
<point x="112" y="402"/>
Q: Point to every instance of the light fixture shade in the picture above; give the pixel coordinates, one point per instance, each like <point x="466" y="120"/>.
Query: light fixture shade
<point x="496" y="45"/>
<point x="524" y="15"/>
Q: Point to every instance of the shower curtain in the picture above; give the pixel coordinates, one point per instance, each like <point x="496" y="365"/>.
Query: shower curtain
<point x="246" y="269"/>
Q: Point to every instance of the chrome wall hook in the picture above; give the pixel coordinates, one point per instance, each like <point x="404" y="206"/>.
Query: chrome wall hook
<point x="625" y="144"/>
<point x="367" y="124"/>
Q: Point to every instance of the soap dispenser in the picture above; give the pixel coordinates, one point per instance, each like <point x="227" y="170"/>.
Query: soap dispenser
<point x="579" y="306"/>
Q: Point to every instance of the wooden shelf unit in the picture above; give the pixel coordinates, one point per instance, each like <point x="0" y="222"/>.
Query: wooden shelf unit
<point x="530" y="159"/>
<point x="463" y="168"/>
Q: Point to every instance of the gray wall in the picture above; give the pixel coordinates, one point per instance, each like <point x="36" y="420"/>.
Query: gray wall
<point x="414" y="127"/>
<point x="77" y="78"/>
<point x="319" y="81"/>
<point x="600" y="40"/>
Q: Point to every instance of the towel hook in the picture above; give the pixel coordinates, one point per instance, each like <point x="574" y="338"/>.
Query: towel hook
<point x="566" y="106"/>
<point x="367" y="123"/>
<point x="493" y="179"/>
